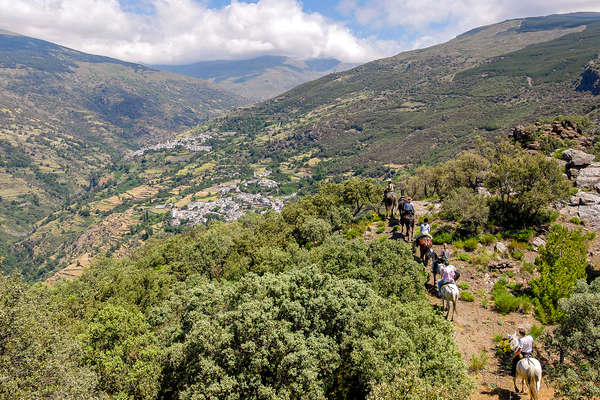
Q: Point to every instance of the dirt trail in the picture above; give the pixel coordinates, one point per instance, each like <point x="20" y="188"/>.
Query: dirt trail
<point x="476" y="326"/>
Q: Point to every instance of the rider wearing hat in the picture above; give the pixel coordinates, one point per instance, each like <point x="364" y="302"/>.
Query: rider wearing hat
<point x="409" y="207"/>
<point x="390" y="186"/>
<point x="525" y="349"/>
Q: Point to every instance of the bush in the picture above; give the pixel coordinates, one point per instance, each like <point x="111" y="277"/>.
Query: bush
<point x="536" y="331"/>
<point x="575" y="343"/>
<point x="505" y="302"/>
<point x="463" y="257"/>
<point x="442" y="237"/>
<point x="478" y="362"/>
<point x="469" y="209"/>
<point x="470" y="244"/>
<point x="467" y="296"/>
<point x="487" y="239"/>
<point x="576" y="221"/>
<point x="464" y="285"/>
<point x="561" y="263"/>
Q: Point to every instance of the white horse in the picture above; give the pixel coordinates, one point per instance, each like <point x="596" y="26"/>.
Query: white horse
<point x="450" y="295"/>
<point x="528" y="369"/>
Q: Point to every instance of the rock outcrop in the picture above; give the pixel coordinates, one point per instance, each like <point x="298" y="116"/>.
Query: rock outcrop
<point x="577" y="158"/>
<point x="588" y="177"/>
<point x="590" y="78"/>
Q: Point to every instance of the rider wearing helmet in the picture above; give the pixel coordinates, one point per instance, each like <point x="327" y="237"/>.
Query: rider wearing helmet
<point x="525" y="349"/>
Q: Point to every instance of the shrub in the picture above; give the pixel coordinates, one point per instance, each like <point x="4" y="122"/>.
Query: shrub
<point x="464" y="257"/>
<point x="314" y="230"/>
<point x="576" y="221"/>
<point x="561" y="263"/>
<point x="536" y="331"/>
<point x="505" y="302"/>
<point x="464" y="285"/>
<point x="478" y="362"/>
<point x="487" y="239"/>
<point x="470" y="244"/>
<point x="469" y="209"/>
<point x="380" y="229"/>
<point x="442" y="237"/>
<point x="467" y="296"/>
<point x="527" y="268"/>
<point x="575" y="343"/>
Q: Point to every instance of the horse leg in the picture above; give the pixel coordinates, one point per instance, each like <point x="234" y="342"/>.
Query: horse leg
<point x="453" y="307"/>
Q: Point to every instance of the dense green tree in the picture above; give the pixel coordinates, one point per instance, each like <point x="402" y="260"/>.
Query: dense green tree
<point x="524" y="184"/>
<point x="39" y="359"/>
<point x="576" y="342"/>
<point x="303" y="334"/>
<point x="561" y="263"/>
<point x="466" y="207"/>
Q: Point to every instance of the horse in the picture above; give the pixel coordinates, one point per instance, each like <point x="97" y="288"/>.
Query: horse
<point x="449" y="294"/>
<point x="390" y="201"/>
<point x="425" y="245"/>
<point x="528" y="369"/>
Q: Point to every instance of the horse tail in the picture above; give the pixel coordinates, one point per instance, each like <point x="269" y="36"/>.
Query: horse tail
<point x="532" y="383"/>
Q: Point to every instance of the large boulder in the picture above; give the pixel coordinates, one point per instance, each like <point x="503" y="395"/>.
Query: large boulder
<point x="577" y="158"/>
<point x="501" y="247"/>
<point x="590" y="215"/>
<point x="589" y="176"/>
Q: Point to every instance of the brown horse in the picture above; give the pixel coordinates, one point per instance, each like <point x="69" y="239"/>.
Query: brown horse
<point x="407" y="220"/>
<point x="425" y="245"/>
<point x="390" y="201"/>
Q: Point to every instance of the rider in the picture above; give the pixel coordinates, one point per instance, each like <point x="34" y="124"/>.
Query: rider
<point x="449" y="275"/>
<point x="409" y="207"/>
<point x="445" y="254"/>
<point x="390" y="187"/>
<point x="525" y="349"/>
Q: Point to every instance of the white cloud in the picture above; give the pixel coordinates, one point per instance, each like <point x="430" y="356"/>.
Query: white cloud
<point x="184" y="31"/>
<point x="433" y="21"/>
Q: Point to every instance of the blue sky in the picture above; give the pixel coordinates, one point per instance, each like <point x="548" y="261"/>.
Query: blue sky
<point x="186" y="31"/>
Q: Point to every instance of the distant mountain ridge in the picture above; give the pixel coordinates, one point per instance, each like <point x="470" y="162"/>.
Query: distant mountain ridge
<point x="261" y="77"/>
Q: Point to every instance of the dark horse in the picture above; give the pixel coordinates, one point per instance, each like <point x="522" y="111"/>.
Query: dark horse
<point x="425" y="245"/>
<point x="407" y="220"/>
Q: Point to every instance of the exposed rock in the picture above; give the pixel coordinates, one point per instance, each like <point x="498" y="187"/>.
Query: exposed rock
<point x="572" y="173"/>
<point x="590" y="215"/>
<point x="538" y="242"/>
<point x="597" y="187"/>
<point x="501" y="247"/>
<point x="590" y="79"/>
<point x="584" y="198"/>
<point x="589" y="176"/>
<point x="577" y="158"/>
<point x="500" y="265"/>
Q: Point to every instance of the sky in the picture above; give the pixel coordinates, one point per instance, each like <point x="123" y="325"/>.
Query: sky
<point x="187" y="31"/>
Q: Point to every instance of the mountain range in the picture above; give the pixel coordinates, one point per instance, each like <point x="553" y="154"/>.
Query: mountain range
<point x="377" y="119"/>
<point x="259" y="78"/>
<point x="66" y="115"/>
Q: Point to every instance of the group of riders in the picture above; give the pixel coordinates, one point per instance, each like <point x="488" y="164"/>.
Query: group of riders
<point x="523" y="346"/>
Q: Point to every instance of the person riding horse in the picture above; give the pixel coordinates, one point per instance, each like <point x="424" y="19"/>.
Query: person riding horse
<point x="449" y="275"/>
<point x="389" y="199"/>
<point x="524" y="350"/>
<point x="407" y="218"/>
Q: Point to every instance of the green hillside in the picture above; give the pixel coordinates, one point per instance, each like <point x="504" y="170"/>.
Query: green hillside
<point x="425" y="105"/>
<point x="65" y="116"/>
